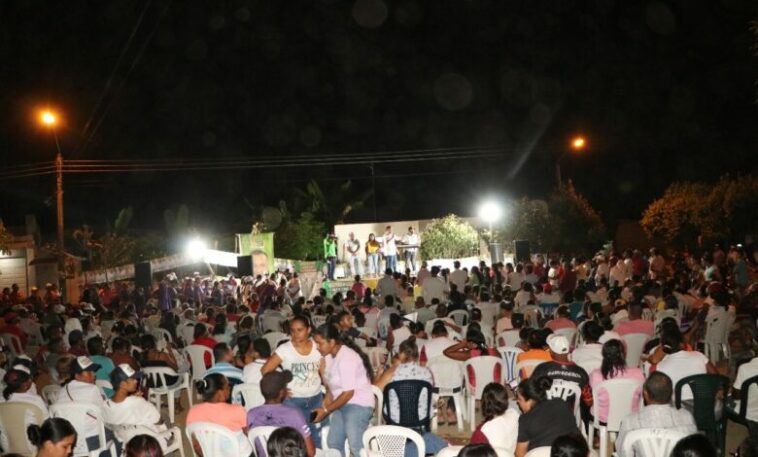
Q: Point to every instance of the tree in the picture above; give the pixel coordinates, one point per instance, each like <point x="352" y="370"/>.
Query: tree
<point x="6" y="238"/>
<point x="575" y="225"/>
<point x="177" y="220"/>
<point x="334" y="205"/>
<point x="449" y="238"/>
<point x="300" y="239"/>
<point x="527" y="219"/>
<point x="678" y="216"/>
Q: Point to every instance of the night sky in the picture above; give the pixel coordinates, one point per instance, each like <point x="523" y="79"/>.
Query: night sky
<point x="663" y="91"/>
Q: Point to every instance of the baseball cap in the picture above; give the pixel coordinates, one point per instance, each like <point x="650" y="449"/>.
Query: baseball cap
<point x="121" y="373"/>
<point x="273" y="382"/>
<point x="84" y="363"/>
<point x="558" y="344"/>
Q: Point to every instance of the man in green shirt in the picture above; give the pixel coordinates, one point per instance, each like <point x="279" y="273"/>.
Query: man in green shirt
<point x="330" y="254"/>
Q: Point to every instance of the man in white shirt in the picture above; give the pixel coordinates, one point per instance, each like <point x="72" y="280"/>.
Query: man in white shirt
<point x="386" y="286"/>
<point x="458" y="276"/>
<point x="389" y="249"/>
<point x="412" y="241"/>
<point x="744" y="372"/>
<point x="679" y="364"/>
<point x="251" y="374"/>
<point x="657" y="413"/>
<point x="617" y="273"/>
<point x="434" y="286"/>
<point x="351" y="248"/>
<point x="589" y="355"/>
<point x="423" y="273"/>
<point x="82" y="389"/>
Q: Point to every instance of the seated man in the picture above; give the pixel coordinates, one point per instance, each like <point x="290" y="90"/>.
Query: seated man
<point x="224" y="365"/>
<point x="261" y="352"/>
<point x="561" y="368"/>
<point x="274" y="413"/>
<point x="744" y="372"/>
<point x="658" y="412"/>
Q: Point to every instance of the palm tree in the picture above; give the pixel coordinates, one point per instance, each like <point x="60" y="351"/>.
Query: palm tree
<point x="334" y="205"/>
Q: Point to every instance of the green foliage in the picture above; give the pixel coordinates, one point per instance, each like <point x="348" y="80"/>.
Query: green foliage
<point x="687" y="212"/>
<point x="449" y="238"/>
<point x="527" y="219"/>
<point x="6" y="238"/>
<point x="177" y="220"/>
<point x="575" y="225"/>
<point x="300" y="239"/>
<point x="124" y="218"/>
<point x="333" y="205"/>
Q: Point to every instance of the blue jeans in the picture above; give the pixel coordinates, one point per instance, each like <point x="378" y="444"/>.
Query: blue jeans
<point x="331" y="264"/>
<point x="306" y="405"/>
<point x="349" y="422"/>
<point x="432" y="443"/>
<point x="390" y="261"/>
<point x="410" y="260"/>
<point x="373" y="264"/>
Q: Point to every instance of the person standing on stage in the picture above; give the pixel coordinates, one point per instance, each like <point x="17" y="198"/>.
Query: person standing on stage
<point x="411" y="241"/>
<point x="353" y="246"/>
<point x="389" y="249"/>
<point x="330" y="255"/>
<point x="372" y="255"/>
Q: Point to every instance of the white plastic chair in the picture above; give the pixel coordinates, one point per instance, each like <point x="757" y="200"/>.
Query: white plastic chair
<point x="14" y="344"/>
<point x="214" y="439"/>
<point x="569" y="333"/>
<point x="620" y="403"/>
<point x="525" y="368"/>
<point x="156" y="376"/>
<point x="460" y="317"/>
<point x="80" y="415"/>
<point x="542" y="451"/>
<point x="484" y="370"/>
<point x="196" y="354"/>
<point x="13" y="426"/>
<point x="186" y="332"/>
<point x="453" y="451"/>
<point x="564" y="390"/>
<point x="509" y="355"/>
<point x="579" y="333"/>
<point x="590" y="365"/>
<point x="507" y="338"/>
<point x="163" y="333"/>
<point x="274" y="338"/>
<point x="250" y="393"/>
<point x="261" y="435"/>
<point x="389" y="441"/>
<point x="379" y="398"/>
<point x="448" y="382"/>
<point x="635" y="344"/>
<point x="651" y="442"/>
<point x="50" y="393"/>
<point x="325" y="443"/>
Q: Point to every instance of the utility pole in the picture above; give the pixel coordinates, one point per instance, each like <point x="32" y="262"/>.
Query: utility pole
<point x="373" y="189"/>
<point x="59" y="205"/>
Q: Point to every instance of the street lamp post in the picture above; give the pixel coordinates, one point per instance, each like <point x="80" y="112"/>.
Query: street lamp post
<point x="578" y="143"/>
<point x="50" y="120"/>
<point x="490" y="212"/>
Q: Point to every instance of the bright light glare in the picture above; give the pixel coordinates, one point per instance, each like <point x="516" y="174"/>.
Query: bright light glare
<point x="196" y="249"/>
<point x="578" y="143"/>
<point x="490" y="212"/>
<point x="48" y="118"/>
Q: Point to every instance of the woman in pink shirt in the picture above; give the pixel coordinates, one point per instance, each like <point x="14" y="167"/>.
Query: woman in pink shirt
<point x="614" y="367"/>
<point x="349" y="399"/>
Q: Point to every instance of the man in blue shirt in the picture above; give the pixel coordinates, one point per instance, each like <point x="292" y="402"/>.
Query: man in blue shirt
<point x="223" y="356"/>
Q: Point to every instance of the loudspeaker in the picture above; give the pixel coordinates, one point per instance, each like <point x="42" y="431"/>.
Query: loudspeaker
<point x="245" y="265"/>
<point x="522" y="250"/>
<point x="143" y="275"/>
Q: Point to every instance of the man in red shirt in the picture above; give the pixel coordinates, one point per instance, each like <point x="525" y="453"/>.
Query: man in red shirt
<point x="202" y="338"/>
<point x="635" y="324"/>
<point x="12" y="327"/>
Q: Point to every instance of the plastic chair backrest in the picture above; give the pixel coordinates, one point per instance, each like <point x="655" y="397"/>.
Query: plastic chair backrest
<point x="409" y="398"/>
<point x="258" y="437"/>
<point x="651" y="442"/>
<point x="542" y="451"/>
<point x="274" y="338"/>
<point x="248" y="395"/>
<point x="527" y="366"/>
<point x="196" y="354"/>
<point x="569" y="333"/>
<point x="155" y="377"/>
<point x="460" y="317"/>
<point x="50" y="393"/>
<point x="80" y="414"/>
<point x="163" y="333"/>
<point x="745" y="390"/>
<point x="379" y="398"/>
<point x="509" y="354"/>
<point x="705" y="390"/>
<point x="14" y="343"/>
<point x="620" y="400"/>
<point x="635" y="344"/>
<point x="484" y="369"/>
<point x="371" y="320"/>
<point x="14" y="430"/>
<point x="507" y="338"/>
<point x="447" y="373"/>
<point x="590" y="365"/>
<point x="187" y="332"/>
<point x="389" y="440"/>
<point x="214" y="440"/>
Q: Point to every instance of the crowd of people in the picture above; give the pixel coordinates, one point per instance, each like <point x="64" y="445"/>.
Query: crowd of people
<point x="318" y="362"/>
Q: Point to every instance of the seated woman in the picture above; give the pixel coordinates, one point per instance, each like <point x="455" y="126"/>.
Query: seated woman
<point x="143" y="446"/>
<point x="215" y="390"/>
<point x="614" y="367"/>
<point x="18" y="387"/>
<point x="473" y="346"/>
<point x="543" y="420"/>
<point x="152" y="357"/>
<point x="127" y="413"/>
<point x="405" y="367"/>
<point x="500" y="425"/>
<point x="397" y="334"/>
<point x="55" y="437"/>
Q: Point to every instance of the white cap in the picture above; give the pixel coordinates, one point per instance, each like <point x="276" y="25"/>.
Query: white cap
<point x="558" y="344"/>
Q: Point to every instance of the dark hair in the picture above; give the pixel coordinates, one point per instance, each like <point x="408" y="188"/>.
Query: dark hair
<point x="95" y="346"/>
<point x="120" y="344"/>
<point x="395" y="321"/>
<point x="536" y="339"/>
<point x="220" y="326"/>
<point x="147" y="342"/>
<point x="696" y="445"/>
<point x="494" y="401"/>
<point x="535" y="388"/>
<point x="614" y="359"/>
<point x="409" y="347"/>
<point x="244" y="343"/>
<point x="143" y="446"/>
<point x="219" y="350"/>
<point x="439" y="328"/>
<point x="571" y="445"/>
<point x="517" y="320"/>
<point x="477" y="450"/>
<point x="302" y="319"/>
<point x="671" y="341"/>
<point x="331" y="332"/>
<point x="200" y="330"/>
<point x="262" y="347"/>
<point x="210" y="384"/>
<point x="14" y="379"/>
<point x="285" y="442"/>
<point x="53" y="429"/>
<point x="659" y="387"/>
<point x="592" y="331"/>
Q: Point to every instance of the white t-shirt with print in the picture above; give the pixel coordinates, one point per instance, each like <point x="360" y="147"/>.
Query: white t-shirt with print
<point x="306" y="381"/>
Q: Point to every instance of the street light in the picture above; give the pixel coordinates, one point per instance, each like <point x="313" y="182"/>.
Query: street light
<point x="49" y="119"/>
<point x="196" y="249"/>
<point x="491" y="212"/>
<point x="577" y="144"/>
